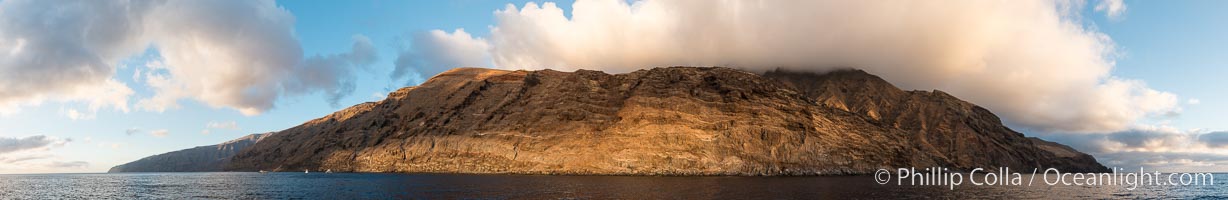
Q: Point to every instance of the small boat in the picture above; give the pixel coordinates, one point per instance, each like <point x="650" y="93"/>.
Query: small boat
<point x="328" y="171"/>
<point x="262" y="171"/>
<point x="306" y="171"/>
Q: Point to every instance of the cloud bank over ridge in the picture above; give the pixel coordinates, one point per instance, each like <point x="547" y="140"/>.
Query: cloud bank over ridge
<point x="1033" y="62"/>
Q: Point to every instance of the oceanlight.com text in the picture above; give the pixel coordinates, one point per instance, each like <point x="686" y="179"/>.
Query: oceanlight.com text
<point x="939" y="176"/>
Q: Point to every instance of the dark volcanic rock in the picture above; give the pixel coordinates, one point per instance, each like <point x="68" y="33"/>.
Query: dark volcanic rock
<point x="676" y="120"/>
<point x="200" y="159"/>
<point x="963" y="135"/>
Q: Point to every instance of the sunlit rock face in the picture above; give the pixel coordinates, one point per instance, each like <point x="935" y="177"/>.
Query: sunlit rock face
<point x="662" y="121"/>
<point x="210" y="158"/>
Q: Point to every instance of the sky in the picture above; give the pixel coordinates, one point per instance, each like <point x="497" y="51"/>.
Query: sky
<point x="86" y="85"/>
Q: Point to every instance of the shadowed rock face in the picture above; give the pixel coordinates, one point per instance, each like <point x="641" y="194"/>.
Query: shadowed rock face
<point x="957" y="132"/>
<point x="676" y="121"/>
<point x="200" y="159"/>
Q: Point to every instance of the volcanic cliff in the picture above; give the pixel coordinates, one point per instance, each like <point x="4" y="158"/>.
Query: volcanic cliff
<point x="209" y="158"/>
<point x="661" y="121"/>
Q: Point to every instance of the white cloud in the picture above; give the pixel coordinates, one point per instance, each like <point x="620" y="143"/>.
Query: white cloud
<point x="111" y="145"/>
<point x="245" y="59"/>
<point x="78" y="115"/>
<point x="222" y="125"/>
<point x="106" y="94"/>
<point x="50" y="60"/>
<point x="378" y="96"/>
<point x="224" y="53"/>
<point x="160" y="133"/>
<point x="240" y="54"/>
<point x="1193" y="101"/>
<point x="1029" y="61"/>
<point x="1113" y="8"/>
<point x="214" y="125"/>
<point x="68" y="164"/>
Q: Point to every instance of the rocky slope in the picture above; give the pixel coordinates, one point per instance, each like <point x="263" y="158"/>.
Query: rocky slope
<point x="676" y="120"/>
<point x="960" y="133"/>
<point x="200" y="159"/>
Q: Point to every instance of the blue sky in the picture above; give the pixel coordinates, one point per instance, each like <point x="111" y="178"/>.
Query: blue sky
<point x="321" y="27"/>
<point x="1178" y="47"/>
<point x="1175" y="47"/>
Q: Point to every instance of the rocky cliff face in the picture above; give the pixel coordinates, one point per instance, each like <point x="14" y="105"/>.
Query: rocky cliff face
<point x="958" y="132"/>
<point x="200" y="159"/>
<point x="676" y="120"/>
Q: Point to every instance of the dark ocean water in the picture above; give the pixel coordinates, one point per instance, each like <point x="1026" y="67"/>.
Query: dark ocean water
<point x="240" y="185"/>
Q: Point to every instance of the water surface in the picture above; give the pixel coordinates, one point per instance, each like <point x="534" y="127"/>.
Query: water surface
<point x="244" y="185"/>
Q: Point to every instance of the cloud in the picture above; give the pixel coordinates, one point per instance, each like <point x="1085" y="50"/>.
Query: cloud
<point x="1032" y="62"/>
<point x="1168" y="162"/>
<point x="1138" y="139"/>
<point x="43" y="59"/>
<point x="23" y="158"/>
<point x="131" y="131"/>
<point x="332" y="74"/>
<point x="222" y="125"/>
<point x="9" y="145"/>
<point x="1155" y="147"/>
<point x="226" y="125"/>
<point x="1215" y="139"/>
<point x="39" y="162"/>
<point x="224" y="53"/>
<point x="378" y="96"/>
<point x="114" y="145"/>
<point x="1113" y="8"/>
<point x="437" y="51"/>
<point x="78" y="115"/>
<point x="69" y="164"/>
<point x="236" y="54"/>
<point x="160" y="133"/>
<point x="30" y="153"/>
<point x="1151" y="140"/>
<point x="1193" y="101"/>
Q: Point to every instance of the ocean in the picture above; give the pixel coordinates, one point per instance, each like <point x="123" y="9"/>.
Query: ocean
<point x="288" y="185"/>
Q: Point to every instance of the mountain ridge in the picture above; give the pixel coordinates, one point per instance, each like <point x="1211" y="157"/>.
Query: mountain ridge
<point x="676" y="120"/>
<point x="208" y="158"/>
<point x="660" y="121"/>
